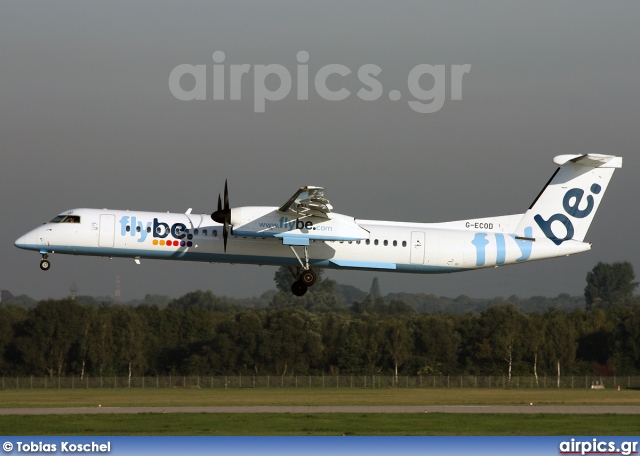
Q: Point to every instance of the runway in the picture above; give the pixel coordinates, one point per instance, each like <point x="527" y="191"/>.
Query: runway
<point x="497" y="409"/>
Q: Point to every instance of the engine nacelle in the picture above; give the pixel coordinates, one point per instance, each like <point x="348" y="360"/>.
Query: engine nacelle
<point x="293" y="228"/>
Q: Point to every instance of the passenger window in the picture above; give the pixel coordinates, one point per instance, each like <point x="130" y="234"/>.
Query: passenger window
<point x="386" y="243"/>
<point x="404" y="243"/>
<point x="368" y="241"/>
<point x="204" y="232"/>
<point x="137" y="229"/>
<point x="195" y="232"/>
<point x="215" y="233"/>
<point x="128" y="228"/>
<point x="375" y="242"/>
<point x="148" y="229"/>
<point x="395" y="243"/>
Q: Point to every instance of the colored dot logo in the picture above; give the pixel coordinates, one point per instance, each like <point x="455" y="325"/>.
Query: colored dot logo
<point x="171" y="243"/>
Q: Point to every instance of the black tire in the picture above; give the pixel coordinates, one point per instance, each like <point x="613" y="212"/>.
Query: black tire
<point x="298" y="288"/>
<point x="308" y="277"/>
<point x="45" y="265"/>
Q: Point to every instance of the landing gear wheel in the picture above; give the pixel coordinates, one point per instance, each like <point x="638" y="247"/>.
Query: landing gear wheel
<point x="308" y="277"/>
<point x="298" y="288"/>
<point x="45" y="264"/>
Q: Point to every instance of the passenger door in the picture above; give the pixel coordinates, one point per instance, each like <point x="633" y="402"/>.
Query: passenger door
<point x="107" y="230"/>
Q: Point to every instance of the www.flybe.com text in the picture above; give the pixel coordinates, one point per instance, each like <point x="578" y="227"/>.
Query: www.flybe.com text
<point x="296" y="224"/>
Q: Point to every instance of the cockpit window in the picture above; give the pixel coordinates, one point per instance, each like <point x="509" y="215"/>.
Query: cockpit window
<point x="66" y="219"/>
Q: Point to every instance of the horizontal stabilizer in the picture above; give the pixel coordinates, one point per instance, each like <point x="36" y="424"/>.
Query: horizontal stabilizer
<point x="590" y="160"/>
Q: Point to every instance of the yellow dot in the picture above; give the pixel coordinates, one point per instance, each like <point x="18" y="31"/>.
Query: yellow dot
<point x="161" y="241"/>
<point x="155" y="242"/>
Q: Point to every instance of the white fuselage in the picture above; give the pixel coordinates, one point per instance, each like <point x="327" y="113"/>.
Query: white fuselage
<point x="377" y="245"/>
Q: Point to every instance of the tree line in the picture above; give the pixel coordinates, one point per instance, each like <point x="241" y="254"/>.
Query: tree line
<point x="202" y="334"/>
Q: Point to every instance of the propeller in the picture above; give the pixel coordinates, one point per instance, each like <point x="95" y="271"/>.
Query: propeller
<point x="223" y="215"/>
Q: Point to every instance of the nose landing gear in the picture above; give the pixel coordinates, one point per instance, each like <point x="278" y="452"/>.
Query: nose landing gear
<point x="45" y="264"/>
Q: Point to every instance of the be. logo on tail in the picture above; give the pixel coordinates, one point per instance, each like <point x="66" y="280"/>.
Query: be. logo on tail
<point x="571" y="205"/>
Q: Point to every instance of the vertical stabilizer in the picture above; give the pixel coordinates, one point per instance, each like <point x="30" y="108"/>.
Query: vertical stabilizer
<point x="565" y="207"/>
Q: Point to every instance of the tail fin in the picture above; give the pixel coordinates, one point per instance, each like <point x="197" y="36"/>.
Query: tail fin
<point x="565" y="207"/>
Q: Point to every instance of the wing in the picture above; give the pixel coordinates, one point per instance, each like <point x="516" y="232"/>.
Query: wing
<point x="308" y="201"/>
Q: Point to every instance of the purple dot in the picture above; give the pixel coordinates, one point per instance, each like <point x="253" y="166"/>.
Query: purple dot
<point x="182" y="243"/>
<point x="189" y="244"/>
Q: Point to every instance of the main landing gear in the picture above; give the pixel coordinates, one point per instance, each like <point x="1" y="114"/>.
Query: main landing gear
<point x="45" y="264"/>
<point x="304" y="279"/>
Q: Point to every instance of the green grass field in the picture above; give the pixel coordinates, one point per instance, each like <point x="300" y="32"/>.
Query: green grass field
<point x="310" y="396"/>
<point x="316" y="424"/>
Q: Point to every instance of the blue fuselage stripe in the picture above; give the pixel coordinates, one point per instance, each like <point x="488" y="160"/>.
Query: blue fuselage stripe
<point x="187" y="255"/>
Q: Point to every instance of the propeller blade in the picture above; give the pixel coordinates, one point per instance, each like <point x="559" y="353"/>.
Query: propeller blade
<point x="225" y="234"/>
<point x="220" y="215"/>
<point x="226" y="196"/>
<point x="223" y="214"/>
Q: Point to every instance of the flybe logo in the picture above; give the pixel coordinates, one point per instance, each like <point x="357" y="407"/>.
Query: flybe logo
<point x="131" y="226"/>
<point x="571" y="205"/>
<point x="480" y="242"/>
<point x="296" y="224"/>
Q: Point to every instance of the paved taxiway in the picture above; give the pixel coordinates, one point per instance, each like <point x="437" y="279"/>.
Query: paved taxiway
<point x="521" y="409"/>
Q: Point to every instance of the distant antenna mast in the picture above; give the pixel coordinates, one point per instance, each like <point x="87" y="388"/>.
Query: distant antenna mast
<point x="118" y="289"/>
<point x="73" y="290"/>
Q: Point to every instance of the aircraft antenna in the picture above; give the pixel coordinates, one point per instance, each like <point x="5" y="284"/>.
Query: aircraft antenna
<point x="73" y="290"/>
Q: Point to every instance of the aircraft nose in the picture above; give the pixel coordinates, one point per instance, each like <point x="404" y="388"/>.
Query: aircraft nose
<point x="21" y="242"/>
<point x="27" y="241"/>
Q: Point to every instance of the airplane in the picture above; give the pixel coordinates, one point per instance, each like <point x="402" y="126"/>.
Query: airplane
<point x="304" y="233"/>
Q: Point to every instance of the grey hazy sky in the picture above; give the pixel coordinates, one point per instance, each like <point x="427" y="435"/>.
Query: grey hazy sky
<point x="87" y="120"/>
